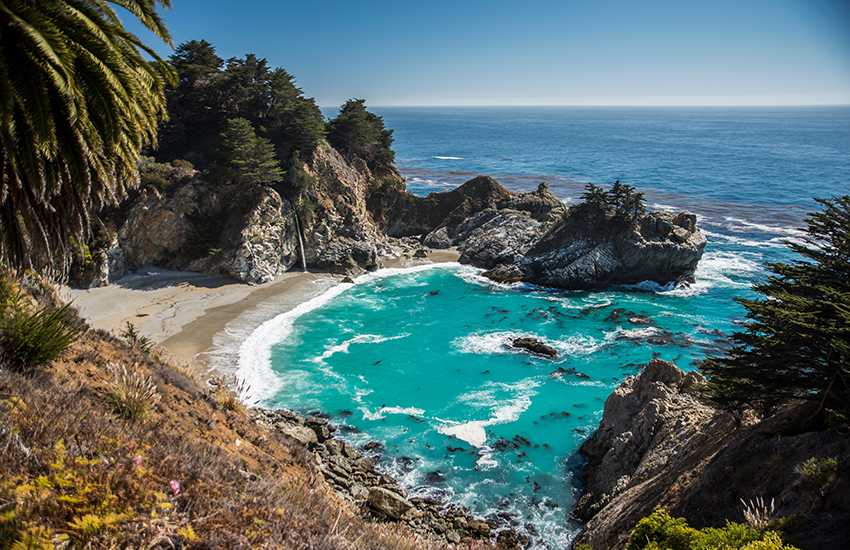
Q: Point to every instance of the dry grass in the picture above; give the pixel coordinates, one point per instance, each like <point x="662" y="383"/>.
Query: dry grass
<point x="193" y="474"/>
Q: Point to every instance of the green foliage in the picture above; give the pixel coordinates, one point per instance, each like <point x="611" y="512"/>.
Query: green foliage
<point x="211" y="91"/>
<point x="132" y="395"/>
<point x="79" y="101"/>
<point x="660" y="531"/>
<point x="820" y="469"/>
<point x="796" y="345"/>
<point x="29" y="338"/>
<point x="136" y="340"/>
<point x="622" y="199"/>
<point x="230" y="397"/>
<point x="358" y="133"/>
<point x="246" y="158"/>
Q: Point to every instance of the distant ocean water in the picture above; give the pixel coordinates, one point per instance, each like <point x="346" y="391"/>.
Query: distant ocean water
<point x="416" y="358"/>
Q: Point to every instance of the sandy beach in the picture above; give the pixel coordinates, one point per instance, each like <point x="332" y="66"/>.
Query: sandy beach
<point x="199" y="319"/>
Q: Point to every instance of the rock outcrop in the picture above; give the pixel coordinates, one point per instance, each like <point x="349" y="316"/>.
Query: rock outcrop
<point x="591" y="250"/>
<point x="248" y="232"/>
<point x="534" y="346"/>
<point x="354" y="478"/>
<point x="533" y="237"/>
<point x="339" y="232"/>
<point x="650" y="427"/>
<point x="658" y="445"/>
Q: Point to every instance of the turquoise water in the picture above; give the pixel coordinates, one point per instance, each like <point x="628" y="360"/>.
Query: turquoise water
<point x="419" y="361"/>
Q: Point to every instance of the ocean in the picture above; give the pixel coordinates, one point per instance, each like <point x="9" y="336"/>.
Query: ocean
<point x="416" y="359"/>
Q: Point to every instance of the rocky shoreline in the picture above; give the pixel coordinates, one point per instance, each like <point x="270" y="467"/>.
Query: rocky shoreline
<point x="352" y="475"/>
<point x="345" y="221"/>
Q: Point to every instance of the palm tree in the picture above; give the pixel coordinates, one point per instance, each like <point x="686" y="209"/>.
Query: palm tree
<point x="78" y="101"/>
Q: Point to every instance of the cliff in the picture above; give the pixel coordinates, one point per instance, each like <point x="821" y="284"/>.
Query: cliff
<point x="248" y="232"/>
<point x="349" y="219"/>
<point x="659" y="445"/>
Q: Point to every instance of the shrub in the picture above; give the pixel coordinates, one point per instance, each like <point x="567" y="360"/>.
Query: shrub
<point x="34" y="338"/>
<point x="136" y="340"/>
<point x="660" y="531"/>
<point x="132" y="395"/>
<point x="230" y="398"/>
<point x="819" y="470"/>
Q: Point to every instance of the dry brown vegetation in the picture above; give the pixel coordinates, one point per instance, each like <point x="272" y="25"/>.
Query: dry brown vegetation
<point x="189" y="473"/>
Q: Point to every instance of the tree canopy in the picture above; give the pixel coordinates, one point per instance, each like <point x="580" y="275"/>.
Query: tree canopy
<point x="211" y="91"/>
<point x="623" y="199"/>
<point x="358" y="133"/>
<point x="247" y="158"/>
<point x="796" y="343"/>
<point x="78" y="101"/>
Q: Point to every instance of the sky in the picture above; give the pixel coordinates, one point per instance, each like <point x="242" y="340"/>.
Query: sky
<point x="567" y="52"/>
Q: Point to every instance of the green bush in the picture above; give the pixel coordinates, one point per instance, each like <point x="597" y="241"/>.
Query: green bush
<point x="136" y="340"/>
<point x="819" y="470"/>
<point x="660" y="531"/>
<point x="34" y="338"/>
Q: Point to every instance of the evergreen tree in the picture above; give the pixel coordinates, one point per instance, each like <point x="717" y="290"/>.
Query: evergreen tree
<point x="212" y="91"/>
<point x="618" y="195"/>
<point x="595" y="196"/>
<point x="247" y="158"/>
<point x="797" y="340"/>
<point x="356" y="132"/>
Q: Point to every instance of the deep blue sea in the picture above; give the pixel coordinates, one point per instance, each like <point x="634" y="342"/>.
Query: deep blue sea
<point x="416" y="358"/>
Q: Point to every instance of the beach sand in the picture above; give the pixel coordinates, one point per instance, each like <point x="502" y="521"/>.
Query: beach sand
<point x="194" y="317"/>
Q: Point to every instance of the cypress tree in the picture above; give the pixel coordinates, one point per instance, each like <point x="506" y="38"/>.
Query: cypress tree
<point x="247" y="158"/>
<point x="796" y="343"/>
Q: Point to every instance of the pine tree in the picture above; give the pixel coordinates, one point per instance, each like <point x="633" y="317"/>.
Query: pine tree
<point x="797" y="340"/>
<point x="359" y="133"/>
<point x="247" y="158"/>
<point x="595" y="196"/>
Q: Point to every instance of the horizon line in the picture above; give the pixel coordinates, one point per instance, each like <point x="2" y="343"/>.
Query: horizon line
<point x="603" y="105"/>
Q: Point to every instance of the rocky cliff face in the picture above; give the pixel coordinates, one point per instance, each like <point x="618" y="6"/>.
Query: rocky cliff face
<point x="349" y="219"/>
<point x="588" y="251"/>
<point x="340" y="234"/>
<point x="659" y="446"/>
<point x="248" y="232"/>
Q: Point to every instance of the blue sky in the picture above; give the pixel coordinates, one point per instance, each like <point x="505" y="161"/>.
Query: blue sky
<point x="568" y="52"/>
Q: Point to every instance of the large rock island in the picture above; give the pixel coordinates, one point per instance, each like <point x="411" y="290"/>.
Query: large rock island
<point x="534" y="238"/>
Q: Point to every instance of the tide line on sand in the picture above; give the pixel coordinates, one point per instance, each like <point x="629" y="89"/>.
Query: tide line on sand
<point x="184" y="311"/>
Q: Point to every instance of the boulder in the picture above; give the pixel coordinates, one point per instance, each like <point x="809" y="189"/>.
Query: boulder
<point x="541" y="205"/>
<point x="388" y="502"/>
<point x="491" y="237"/>
<point x="534" y="346"/>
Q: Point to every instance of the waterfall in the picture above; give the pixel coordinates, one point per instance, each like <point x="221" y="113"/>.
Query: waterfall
<point x="300" y="240"/>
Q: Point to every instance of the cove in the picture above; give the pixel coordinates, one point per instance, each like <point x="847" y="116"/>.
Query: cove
<point x="416" y="360"/>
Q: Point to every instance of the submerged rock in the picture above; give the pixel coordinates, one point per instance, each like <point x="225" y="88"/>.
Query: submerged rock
<point x="534" y="346"/>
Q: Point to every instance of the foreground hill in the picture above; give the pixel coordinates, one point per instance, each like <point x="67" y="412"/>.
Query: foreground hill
<point x="114" y="447"/>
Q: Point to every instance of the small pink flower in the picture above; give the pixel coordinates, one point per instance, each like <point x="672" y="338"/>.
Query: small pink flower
<point x="138" y="460"/>
<point x="175" y="487"/>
